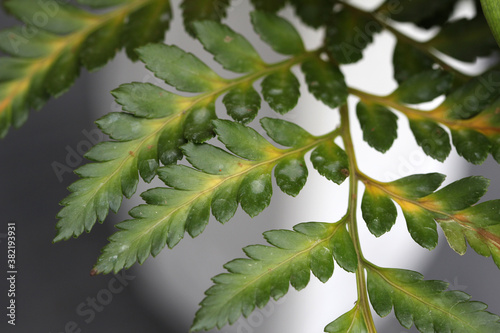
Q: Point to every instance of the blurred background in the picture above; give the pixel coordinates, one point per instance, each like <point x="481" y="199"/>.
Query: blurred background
<point x="54" y="292"/>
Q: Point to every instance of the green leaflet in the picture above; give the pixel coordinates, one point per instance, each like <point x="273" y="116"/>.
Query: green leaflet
<point x="331" y="162"/>
<point x="491" y="10"/>
<point x="471" y="145"/>
<point x="379" y="212"/>
<point x="379" y="125"/>
<point x="473" y="36"/>
<point x="281" y="90"/>
<point x="199" y="10"/>
<point x="472" y="97"/>
<point x="48" y="58"/>
<point x="325" y="81"/>
<point x="409" y="61"/>
<point x="423" y="87"/>
<point x="350" y="322"/>
<point x="277" y="32"/>
<point x="348" y="33"/>
<point x="433" y="139"/>
<point x="269" y="6"/>
<point x="314" y="13"/>
<point x="219" y="182"/>
<point x="270" y="269"/>
<point x="229" y="48"/>
<point x="426" y="304"/>
<point x="143" y="142"/>
<point x="179" y="69"/>
<point x="424" y="13"/>
<point x="242" y="103"/>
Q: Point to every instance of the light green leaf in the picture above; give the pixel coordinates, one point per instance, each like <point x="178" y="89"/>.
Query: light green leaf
<point x="286" y="133"/>
<point x="268" y="273"/>
<point x="281" y="91"/>
<point x="325" y="81"/>
<point x="426" y="304"/>
<point x="47" y="56"/>
<point x="219" y="182"/>
<point x="491" y="10"/>
<point x="350" y="322"/>
<point x="460" y="194"/>
<point x="229" y="48"/>
<point x="379" y="125"/>
<point x="277" y="32"/>
<point x="178" y="68"/>
<point x="416" y="186"/>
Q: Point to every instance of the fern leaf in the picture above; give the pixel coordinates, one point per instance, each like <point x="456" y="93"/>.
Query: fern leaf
<point x="426" y="304"/>
<point x="453" y="207"/>
<point x="350" y="322"/>
<point x="270" y="269"/>
<point x="200" y="10"/>
<point x="157" y="124"/>
<point x="219" y="182"/>
<point x="45" y="59"/>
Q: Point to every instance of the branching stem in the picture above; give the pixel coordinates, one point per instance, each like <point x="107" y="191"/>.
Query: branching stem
<point x="352" y="222"/>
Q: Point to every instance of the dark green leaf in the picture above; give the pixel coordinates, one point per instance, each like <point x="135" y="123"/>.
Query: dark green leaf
<point x="277" y="32"/>
<point x="426" y="304"/>
<point x="379" y="125"/>
<point x="256" y="191"/>
<point x="198" y="123"/>
<point x="483" y="214"/>
<point x="423" y="87"/>
<point x="465" y="39"/>
<point x="178" y="68"/>
<point x="281" y="91"/>
<point x="348" y="33"/>
<point x="472" y="145"/>
<point x="314" y="13"/>
<point x="343" y="250"/>
<point x="433" y="139"/>
<point x="229" y="48"/>
<point x="472" y="97"/>
<point x="379" y="212"/>
<point x="409" y="61"/>
<point x="291" y="175"/>
<point x="242" y="103"/>
<point x="137" y="32"/>
<point x="424" y="13"/>
<point x="198" y="10"/>
<point x="325" y="81"/>
<point x="421" y="225"/>
<point x="270" y="6"/>
<point x="331" y="162"/>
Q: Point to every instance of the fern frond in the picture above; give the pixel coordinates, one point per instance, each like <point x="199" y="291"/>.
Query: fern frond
<point x="270" y="270"/>
<point x="46" y="56"/>
<point x="219" y="182"/>
<point x="452" y="207"/>
<point x="426" y="303"/>
<point x="159" y="122"/>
